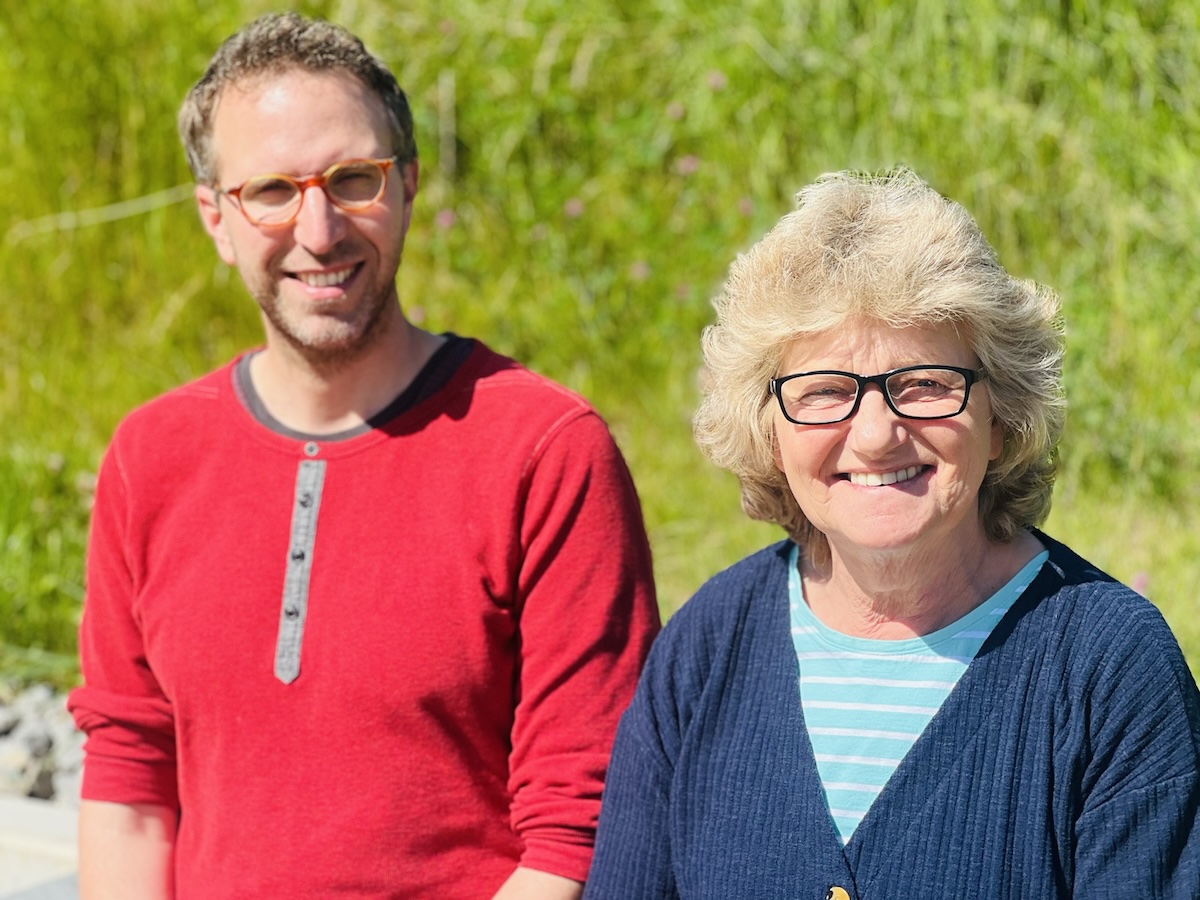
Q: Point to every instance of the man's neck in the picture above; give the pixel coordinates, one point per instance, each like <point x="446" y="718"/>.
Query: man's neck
<point x="328" y="397"/>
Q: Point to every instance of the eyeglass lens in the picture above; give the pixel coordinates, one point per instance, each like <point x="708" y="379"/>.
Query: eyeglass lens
<point x="822" y="397"/>
<point x="274" y="198"/>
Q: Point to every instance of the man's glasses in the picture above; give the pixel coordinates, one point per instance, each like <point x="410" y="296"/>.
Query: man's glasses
<point x="914" y="392"/>
<point x="352" y="185"/>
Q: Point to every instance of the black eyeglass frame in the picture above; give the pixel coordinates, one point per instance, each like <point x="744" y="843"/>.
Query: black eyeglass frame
<point x="970" y="376"/>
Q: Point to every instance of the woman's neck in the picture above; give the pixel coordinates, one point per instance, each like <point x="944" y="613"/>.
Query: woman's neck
<point x="896" y="595"/>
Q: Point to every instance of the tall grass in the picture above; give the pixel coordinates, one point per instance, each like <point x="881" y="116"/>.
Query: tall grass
<point x="589" y="171"/>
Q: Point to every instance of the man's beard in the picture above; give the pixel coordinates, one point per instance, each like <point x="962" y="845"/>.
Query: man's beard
<point x="329" y="343"/>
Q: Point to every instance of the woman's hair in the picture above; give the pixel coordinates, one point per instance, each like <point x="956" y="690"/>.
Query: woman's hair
<point x="884" y="248"/>
<point x="278" y="43"/>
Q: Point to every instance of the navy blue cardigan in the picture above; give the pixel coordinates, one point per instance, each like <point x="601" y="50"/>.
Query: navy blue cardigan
<point x="1065" y="763"/>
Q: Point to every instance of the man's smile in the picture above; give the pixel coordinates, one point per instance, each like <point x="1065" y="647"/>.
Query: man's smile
<point x="324" y="279"/>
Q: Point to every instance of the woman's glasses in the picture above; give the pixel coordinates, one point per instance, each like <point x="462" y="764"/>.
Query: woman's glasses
<point x="913" y="392"/>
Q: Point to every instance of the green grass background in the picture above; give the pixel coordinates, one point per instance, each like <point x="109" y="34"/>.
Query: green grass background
<point x="589" y="171"/>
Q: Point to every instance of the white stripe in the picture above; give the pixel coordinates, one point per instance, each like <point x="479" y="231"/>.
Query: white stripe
<point x="929" y="658"/>
<point x="879" y="682"/>
<point x="852" y="786"/>
<point x="859" y="760"/>
<point x="849" y="814"/>
<point x="874" y="707"/>
<point x="867" y="733"/>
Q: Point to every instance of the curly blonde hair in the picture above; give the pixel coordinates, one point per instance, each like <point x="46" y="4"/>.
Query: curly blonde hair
<point x="890" y="249"/>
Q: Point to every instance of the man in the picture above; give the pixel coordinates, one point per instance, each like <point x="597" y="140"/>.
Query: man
<point x="363" y="605"/>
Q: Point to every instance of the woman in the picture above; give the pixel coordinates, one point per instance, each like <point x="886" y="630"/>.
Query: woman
<point x="919" y="694"/>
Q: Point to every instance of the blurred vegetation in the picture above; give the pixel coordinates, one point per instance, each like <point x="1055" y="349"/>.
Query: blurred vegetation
<point x="589" y="171"/>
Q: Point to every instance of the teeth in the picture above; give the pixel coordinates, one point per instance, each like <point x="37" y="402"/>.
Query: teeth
<point x="325" y="279"/>
<point x="875" y="479"/>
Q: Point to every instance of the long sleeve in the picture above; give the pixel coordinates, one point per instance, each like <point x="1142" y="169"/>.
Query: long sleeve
<point x="633" y="849"/>
<point x="586" y="617"/>
<point x="1139" y="831"/>
<point x="128" y="719"/>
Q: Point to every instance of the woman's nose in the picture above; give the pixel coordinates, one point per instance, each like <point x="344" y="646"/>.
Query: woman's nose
<point x="874" y="426"/>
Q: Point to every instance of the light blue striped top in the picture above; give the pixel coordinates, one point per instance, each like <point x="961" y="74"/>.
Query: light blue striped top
<point x="866" y="701"/>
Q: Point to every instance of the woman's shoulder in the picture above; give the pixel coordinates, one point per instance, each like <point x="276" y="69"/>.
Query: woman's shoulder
<point x="1080" y="591"/>
<point x="1120" y="686"/>
<point x="728" y="594"/>
<point x="732" y="631"/>
<point x="737" y="604"/>
<point x="1108" y="637"/>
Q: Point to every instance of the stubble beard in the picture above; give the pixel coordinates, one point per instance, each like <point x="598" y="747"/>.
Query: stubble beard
<point x="330" y="343"/>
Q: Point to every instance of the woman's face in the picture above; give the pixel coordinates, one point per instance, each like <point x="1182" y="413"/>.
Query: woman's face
<point x="935" y="466"/>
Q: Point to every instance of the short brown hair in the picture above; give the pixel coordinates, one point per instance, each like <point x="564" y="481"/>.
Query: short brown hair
<point x="276" y="43"/>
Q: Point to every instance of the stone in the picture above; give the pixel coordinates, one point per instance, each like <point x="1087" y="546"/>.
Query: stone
<point x="41" y="751"/>
<point x="9" y="718"/>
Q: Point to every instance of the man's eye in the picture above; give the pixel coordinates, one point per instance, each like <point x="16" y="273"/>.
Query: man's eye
<point x="274" y="190"/>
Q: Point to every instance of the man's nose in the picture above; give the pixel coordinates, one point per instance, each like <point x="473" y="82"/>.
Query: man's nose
<point x="319" y="225"/>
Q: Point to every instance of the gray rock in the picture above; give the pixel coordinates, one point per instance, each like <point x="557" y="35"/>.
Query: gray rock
<point x="19" y="768"/>
<point x="38" y="700"/>
<point x="9" y="718"/>
<point x="34" y="734"/>
<point x="41" y="752"/>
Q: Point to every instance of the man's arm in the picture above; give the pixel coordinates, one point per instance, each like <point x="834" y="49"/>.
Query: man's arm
<point x="530" y="884"/>
<point x="126" y="849"/>
<point x="587" y="617"/>
<point x="126" y="852"/>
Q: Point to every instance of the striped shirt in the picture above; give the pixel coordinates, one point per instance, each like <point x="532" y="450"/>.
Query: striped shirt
<point x="866" y="701"/>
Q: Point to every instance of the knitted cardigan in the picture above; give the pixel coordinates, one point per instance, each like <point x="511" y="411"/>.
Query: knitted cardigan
<point x="1066" y="762"/>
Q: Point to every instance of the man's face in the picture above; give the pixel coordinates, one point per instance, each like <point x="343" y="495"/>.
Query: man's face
<point x="325" y="282"/>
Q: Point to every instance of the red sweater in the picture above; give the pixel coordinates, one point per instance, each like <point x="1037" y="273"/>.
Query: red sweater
<point x="479" y="602"/>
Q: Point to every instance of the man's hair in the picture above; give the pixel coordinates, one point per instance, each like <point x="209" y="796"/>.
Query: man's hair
<point x="889" y="249"/>
<point x="274" y="44"/>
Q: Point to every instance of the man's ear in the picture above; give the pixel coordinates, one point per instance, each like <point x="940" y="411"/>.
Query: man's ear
<point x="410" y="177"/>
<point x="208" y="204"/>
<point x="408" y="181"/>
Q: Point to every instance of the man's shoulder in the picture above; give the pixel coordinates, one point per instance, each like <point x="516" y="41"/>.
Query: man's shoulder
<point x="515" y="400"/>
<point x="495" y="372"/>
<point x="187" y="405"/>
